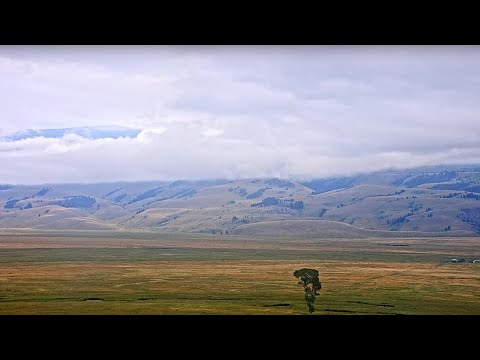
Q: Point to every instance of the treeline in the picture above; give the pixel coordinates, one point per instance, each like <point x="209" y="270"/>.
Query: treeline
<point x="430" y="178"/>
<point x="79" y="202"/>
<point x="272" y="201"/>
<point x="146" y="195"/>
<point x="279" y="183"/>
<point x="458" y="186"/>
<point x="257" y="193"/>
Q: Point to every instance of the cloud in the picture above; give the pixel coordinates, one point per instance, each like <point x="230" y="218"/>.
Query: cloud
<point x="208" y="112"/>
<point x="212" y="132"/>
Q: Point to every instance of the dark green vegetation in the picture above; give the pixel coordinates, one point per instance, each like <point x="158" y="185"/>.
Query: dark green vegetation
<point x="309" y="279"/>
<point x="289" y="203"/>
<point x="280" y="183"/>
<point x="257" y="193"/>
<point x="10" y="204"/>
<point x="102" y="272"/>
<point x="146" y="195"/>
<point x="43" y="191"/>
<point x="80" y="202"/>
<point x="325" y="185"/>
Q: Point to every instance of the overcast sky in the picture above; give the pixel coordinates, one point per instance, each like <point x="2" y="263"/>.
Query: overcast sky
<point x="233" y="112"/>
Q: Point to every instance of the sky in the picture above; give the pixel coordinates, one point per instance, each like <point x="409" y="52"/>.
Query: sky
<point x="109" y="113"/>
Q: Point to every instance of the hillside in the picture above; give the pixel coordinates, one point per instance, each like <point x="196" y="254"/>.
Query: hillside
<point x="443" y="200"/>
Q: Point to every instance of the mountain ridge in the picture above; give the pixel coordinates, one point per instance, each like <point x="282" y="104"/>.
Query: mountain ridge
<point x="422" y="200"/>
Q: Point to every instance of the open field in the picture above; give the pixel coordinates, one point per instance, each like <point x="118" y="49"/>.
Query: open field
<point x="146" y="273"/>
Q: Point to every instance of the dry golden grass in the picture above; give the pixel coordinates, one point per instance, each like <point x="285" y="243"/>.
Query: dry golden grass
<point x="75" y="275"/>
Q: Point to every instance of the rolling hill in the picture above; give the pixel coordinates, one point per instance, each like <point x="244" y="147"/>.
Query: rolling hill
<point x="423" y="201"/>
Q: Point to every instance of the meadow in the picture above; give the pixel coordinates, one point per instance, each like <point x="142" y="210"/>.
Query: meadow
<point x="86" y="272"/>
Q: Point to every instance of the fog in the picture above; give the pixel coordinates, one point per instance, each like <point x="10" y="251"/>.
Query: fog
<point x="164" y="113"/>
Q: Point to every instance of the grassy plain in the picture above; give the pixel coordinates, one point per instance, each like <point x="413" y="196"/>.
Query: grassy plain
<point x="146" y="273"/>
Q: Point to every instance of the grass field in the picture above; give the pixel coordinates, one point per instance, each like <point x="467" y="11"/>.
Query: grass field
<point x="146" y="273"/>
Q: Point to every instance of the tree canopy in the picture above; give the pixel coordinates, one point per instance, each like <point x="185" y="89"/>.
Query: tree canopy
<point x="309" y="279"/>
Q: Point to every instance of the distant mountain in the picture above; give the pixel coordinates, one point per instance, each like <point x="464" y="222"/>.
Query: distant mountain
<point x="99" y="132"/>
<point x="423" y="202"/>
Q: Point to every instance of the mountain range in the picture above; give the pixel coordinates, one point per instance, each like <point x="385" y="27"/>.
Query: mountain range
<point x="433" y="201"/>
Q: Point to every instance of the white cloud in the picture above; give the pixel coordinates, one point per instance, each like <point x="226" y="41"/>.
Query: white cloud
<point x="147" y="136"/>
<point x="237" y="112"/>
<point x="212" y="132"/>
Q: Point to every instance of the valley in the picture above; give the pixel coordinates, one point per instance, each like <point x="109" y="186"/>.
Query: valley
<point x="103" y="272"/>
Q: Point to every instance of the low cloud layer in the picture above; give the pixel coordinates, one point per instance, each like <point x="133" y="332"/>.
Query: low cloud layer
<point x="232" y="112"/>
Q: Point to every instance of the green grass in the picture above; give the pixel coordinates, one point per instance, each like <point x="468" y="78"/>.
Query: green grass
<point x="201" y="275"/>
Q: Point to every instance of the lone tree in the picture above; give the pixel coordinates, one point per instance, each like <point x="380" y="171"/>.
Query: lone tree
<point x="310" y="281"/>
